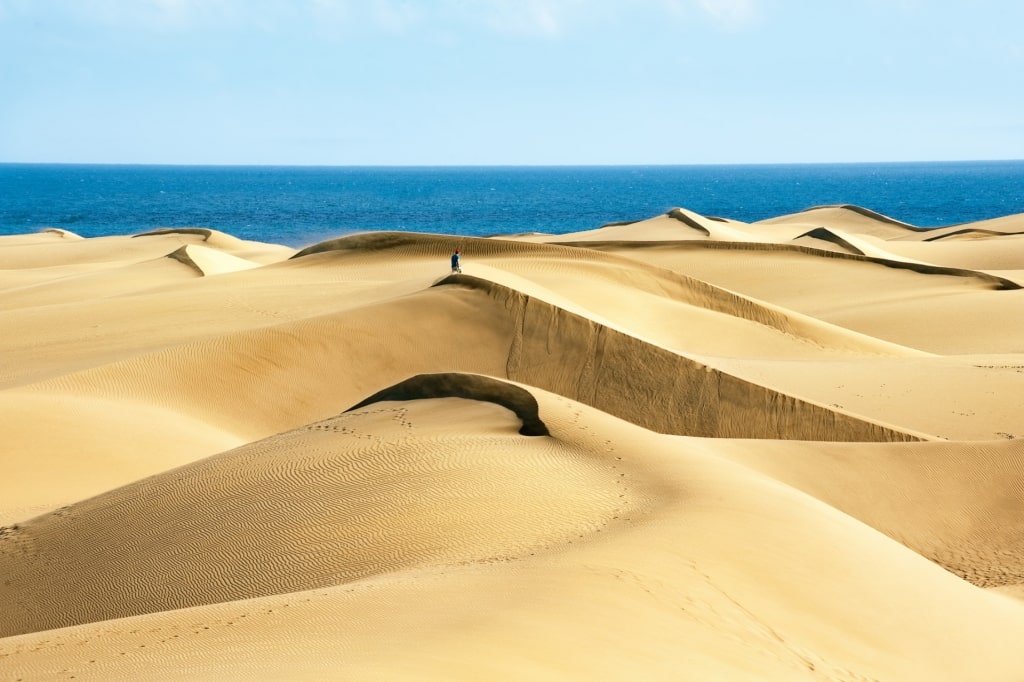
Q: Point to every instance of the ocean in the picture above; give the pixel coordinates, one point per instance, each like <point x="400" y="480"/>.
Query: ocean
<point x="299" y="206"/>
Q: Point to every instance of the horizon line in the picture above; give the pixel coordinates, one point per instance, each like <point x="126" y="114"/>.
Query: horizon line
<point x="500" y="165"/>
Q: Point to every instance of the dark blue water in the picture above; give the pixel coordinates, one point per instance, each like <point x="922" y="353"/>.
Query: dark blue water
<point x="301" y="205"/>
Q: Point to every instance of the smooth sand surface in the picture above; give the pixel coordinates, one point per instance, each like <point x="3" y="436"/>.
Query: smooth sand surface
<point x="682" y="448"/>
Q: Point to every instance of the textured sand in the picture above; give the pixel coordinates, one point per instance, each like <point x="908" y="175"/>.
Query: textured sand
<point x="681" y="448"/>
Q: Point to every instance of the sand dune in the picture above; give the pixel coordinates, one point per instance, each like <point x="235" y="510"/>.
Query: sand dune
<point x="207" y="261"/>
<point x="855" y="219"/>
<point x="683" y="447"/>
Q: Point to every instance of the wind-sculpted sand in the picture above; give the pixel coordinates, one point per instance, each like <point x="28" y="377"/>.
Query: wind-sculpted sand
<point x="681" y="448"/>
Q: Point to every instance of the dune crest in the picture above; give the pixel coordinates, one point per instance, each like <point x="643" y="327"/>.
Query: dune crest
<point x="471" y="387"/>
<point x="207" y="261"/>
<point x="690" y="219"/>
<point x="851" y="217"/>
<point x="867" y="213"/>
<point x="65" y="234"/>
<point x="205" y="233"/>
<point x="656" y="388"/>
<point x="969" y="233"/>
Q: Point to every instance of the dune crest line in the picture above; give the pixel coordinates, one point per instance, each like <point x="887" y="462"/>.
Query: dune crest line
<point x="469" y="386"/>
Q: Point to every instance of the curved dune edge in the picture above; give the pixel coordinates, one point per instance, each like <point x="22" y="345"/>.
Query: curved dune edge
<point x="826" y="235"/>
<point x="991" y="281"/>
<point x="683" y="288"/>
<point x="654" y="387"/>
<point x="687" y="218"/>
<point x="204" y="232"/>
<point x="207" y="261"/>
<point x="874" y="215"/>
<point x="260" y="253"/>
<point x="519" y="337"/>
<point x="469" y="386"/>
<point x="662" y="227"/>
<point x="426" y="244"/>
<point x="672" y="288"/>
<point x="420" y="242"/>
<point x="865" y="247"/>
<point x="716" y="229"/>
<point x="851" y="208"/>
<point x="66" y="234"/>
<point x="970" y="233"/>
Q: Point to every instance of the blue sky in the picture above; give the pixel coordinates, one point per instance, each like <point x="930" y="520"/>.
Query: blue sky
<point x="439" y="82"/>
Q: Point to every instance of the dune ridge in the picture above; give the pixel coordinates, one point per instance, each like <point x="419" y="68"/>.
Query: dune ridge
<point x="454" y="385"/>
<point x="969" y="233"/>
<point x="992" y="281"/>
<point x="867" y="213"/>
<point x="689" y="219"/>
<point x="206" y="234"/>
<point x="865" y="221"/>
<point x="677" y="447"/>
<point x="208" y="261"/>
<point x="66" y="234"/>
<point x="661" y="390"/>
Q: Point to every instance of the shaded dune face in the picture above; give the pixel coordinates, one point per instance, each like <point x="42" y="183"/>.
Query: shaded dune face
<point x="383" y="488"/>
<point x="564" y="352"/>
<point x="482" y="327"/>
<point x="451" y="385"/>
<point x="567" y="354"/>
<point x="848" y="252"/>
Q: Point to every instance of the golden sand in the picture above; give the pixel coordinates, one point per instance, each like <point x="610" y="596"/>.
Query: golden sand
<point x="682" y="448"/>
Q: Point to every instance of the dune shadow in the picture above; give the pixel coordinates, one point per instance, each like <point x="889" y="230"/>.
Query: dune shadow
<point x="470" y="386"/>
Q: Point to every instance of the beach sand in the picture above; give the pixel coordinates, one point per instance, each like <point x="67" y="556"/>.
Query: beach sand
<point x="682" y="448"/>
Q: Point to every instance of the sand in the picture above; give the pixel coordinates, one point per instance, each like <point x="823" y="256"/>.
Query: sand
<point x="682" y="448"/>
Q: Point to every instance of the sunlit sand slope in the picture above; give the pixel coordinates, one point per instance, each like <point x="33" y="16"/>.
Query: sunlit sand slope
<point x="602" y="549"/>
<point x="684" y="447"/>
<point x="379" y="489"/>
<point x="293" y="338"/>
<point x="955" y="503"/>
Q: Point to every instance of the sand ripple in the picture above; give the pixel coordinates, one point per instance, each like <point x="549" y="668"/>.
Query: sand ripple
<point x="331" y="503"/>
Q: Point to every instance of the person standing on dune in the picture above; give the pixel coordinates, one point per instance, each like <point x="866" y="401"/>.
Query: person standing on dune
<point x="456" y="262"/>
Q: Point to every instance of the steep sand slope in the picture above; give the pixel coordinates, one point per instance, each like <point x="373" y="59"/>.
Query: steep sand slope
<point x="481" y="326"/>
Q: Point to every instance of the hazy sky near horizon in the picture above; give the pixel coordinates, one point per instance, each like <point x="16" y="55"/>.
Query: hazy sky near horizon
<point x="466" y="82"/>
